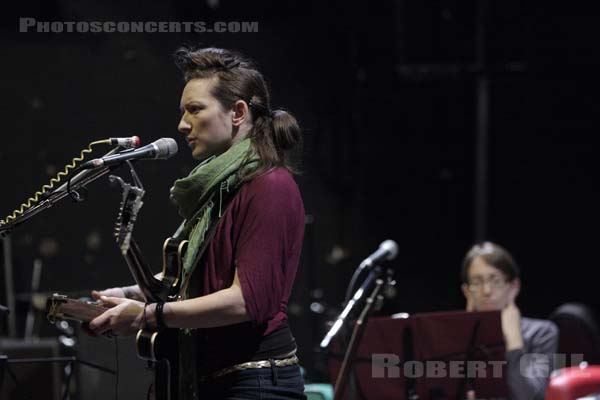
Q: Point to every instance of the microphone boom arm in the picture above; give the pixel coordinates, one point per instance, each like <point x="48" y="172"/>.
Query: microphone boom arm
<point x="79" y="181"/>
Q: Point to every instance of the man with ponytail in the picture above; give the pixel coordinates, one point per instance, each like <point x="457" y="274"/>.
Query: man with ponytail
<point x="244" y="219"/>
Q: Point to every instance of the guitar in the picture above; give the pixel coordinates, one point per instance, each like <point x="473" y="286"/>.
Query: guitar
<point x="153" y="289"/>
<point x="61" y="307"/>
<point x="158" y="348"/>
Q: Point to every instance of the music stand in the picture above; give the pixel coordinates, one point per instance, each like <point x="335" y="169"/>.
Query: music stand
<point x="470" y="348"/>
<point x="431" y="351"/>
<point x="385" y="338"/>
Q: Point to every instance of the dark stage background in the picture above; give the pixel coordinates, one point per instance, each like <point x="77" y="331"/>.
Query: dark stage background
<point x="392" y="96"/>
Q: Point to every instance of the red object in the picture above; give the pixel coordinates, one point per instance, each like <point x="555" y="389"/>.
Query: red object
<point x="260" y="235"/>
<point x="136" y="141"/>
<point x="453" y="337"/>
<point x="382" y="335"/>
<point x="428" y="342"/>
<point x="574" y="382"/>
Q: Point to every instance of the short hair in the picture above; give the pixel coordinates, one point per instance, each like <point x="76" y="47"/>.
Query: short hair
<point x="493" y="254"/>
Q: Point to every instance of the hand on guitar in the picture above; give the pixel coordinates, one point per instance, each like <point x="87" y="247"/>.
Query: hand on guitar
<point x="126" y="292"/>
<point x="112" y="292"/>
<point x="97" y="295"/>
<point x="125" y="317"/>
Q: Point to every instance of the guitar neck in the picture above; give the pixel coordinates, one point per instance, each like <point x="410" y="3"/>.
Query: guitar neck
<point x="77" y="310"/>
<point x="153" y="289"/>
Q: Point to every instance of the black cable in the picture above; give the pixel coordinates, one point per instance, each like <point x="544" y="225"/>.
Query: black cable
<point x="73" y="194"/>
<point x="70" y="366"/>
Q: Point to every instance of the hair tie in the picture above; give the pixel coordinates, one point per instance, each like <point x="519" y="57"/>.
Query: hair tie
<point x="265" y="111"/>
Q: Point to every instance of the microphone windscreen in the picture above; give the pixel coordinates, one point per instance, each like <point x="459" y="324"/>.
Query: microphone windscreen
<point x="391" y="247"/>
<point x="167" y="148"/>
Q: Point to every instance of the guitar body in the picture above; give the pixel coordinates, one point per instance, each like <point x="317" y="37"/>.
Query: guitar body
<point x="173" y="252"/>
<point x="152" y="345"/>
<point x="160" y="348"/>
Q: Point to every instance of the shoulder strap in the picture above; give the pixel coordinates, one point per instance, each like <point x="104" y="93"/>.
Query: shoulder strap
<point x="208" y="240"/>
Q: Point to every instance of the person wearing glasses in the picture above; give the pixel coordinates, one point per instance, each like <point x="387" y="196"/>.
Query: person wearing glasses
<point x="491" y="281"/>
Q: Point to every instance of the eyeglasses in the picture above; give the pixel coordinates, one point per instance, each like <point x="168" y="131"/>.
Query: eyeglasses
<point x="494" y="282"/>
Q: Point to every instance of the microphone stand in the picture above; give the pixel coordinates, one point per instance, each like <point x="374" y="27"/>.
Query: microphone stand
<point x="374" y="273"/>
<point x="3" y="311"/>
<point x="77" y="182"/>
<point x="5" y="363"/>
<point x="374" y="277"/>
<point x="359" y="328"/>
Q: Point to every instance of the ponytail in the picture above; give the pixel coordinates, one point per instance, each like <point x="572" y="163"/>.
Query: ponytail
<point x="286" y="131"/>
<point x="277" y="138"/>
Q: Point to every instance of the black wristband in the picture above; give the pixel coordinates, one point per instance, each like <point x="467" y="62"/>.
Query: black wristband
<point x="158" y="313"/>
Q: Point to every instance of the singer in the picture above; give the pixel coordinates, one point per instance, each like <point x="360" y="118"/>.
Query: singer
<point x="233" y="318"/>
<point x="491" y="282"/>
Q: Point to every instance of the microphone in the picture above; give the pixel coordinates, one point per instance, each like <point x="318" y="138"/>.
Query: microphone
<point x="160" y="149"/>
<point x="127" y="142"/>
<point x="388" y="250"/>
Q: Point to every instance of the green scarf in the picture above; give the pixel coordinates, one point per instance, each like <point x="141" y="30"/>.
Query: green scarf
<point x="202" y="192"/>
<point x="202" y="198"/>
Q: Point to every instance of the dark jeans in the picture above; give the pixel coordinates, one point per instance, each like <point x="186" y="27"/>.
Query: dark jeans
<point x="277" y="383"/>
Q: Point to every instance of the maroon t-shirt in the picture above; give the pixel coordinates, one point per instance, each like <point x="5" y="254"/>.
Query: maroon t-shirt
<point x="260" y="234"/>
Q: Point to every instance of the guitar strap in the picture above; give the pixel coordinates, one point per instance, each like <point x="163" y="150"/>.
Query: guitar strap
<point x="187" y="363"/>
<point x="208" y="239"/>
